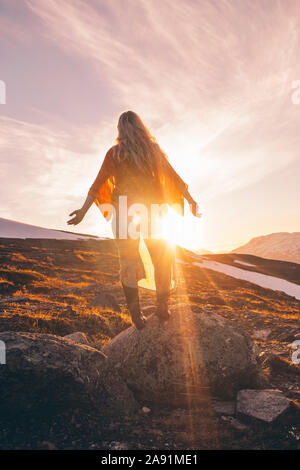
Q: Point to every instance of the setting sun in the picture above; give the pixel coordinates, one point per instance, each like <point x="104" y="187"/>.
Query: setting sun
<point x="185" y="231"/>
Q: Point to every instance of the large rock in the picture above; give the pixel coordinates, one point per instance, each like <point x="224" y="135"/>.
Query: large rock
<point x="187" y="359"/>
<point x="49" y="372"/>
<point x="265" y="405"/>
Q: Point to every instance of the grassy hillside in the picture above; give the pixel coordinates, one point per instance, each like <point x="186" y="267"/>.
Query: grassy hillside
<point x="59" y="286"/>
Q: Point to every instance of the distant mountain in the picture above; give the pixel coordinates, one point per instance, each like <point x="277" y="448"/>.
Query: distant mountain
<point x="283" y="246"/>
<point x="13" y="229"/>
<point x="203" y="251"/>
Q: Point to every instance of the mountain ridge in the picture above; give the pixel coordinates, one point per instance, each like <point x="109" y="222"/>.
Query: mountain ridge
<point x="282" y="246"/>
<point x="15" y="229"/>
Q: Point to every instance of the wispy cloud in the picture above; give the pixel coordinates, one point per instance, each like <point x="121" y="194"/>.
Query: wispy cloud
<point x="45" y="172"/>
<point x="212" y="77"/>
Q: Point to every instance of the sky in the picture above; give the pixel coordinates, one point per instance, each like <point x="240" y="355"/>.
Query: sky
<point x="212" y="79"/>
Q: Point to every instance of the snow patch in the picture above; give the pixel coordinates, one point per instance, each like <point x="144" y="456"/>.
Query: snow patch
<point x="243" y="263"/>
<point x="269" y="282"/>
<point x="12" y="229"/>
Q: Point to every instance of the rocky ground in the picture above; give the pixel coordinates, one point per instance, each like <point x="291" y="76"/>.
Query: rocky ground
<point x="59" y="287"/>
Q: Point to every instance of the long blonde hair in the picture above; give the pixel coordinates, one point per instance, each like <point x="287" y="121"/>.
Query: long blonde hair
<point x="136" y="144"/>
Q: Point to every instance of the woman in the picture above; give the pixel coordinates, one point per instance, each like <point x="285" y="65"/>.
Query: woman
<point x="133" y="187"/>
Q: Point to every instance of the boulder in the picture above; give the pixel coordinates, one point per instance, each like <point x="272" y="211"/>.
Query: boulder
<point x="51" y="373"/>
<point x="185" y="360"/>
<point x="266" y="405"/>
<point x="77" y="337"/>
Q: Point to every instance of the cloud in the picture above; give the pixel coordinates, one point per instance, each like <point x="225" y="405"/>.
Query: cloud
<point x="212" y="77"/>
<point x="45" y="172"/>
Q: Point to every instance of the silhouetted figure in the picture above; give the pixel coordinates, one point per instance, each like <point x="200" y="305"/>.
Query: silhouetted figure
<point x="133" y="187"/>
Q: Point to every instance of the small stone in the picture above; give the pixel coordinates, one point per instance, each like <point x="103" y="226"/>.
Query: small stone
<point x="48" y="445"/>
<point x="266" y="405"/>
<point x="78" y="337"/>
<point x="118" y="445"/>
<point x="145" y="409"/>
<point x="262" y="335"/>
<point x="235" y="423"/>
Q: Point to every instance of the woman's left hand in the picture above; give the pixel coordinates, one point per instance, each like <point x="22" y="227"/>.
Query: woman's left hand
<point x="195" y="209"/>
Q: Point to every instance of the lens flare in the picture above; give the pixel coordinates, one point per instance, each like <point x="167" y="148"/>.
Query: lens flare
<point x="185" y="231"/>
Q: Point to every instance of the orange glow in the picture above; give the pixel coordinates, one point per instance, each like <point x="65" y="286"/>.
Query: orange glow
<point x="185" y="231"/>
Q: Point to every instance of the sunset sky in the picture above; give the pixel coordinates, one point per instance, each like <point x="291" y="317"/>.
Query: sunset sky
<point x="212" y="80"/>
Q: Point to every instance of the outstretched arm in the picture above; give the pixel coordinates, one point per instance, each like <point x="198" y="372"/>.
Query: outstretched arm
<point x="104" y="172"/>
<point x="80" y="213"/>
<point x="182" y="187"/>
<point x="192" y="203"/>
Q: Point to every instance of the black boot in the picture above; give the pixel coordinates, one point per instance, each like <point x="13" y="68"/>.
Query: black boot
<point x="162" y="310"/>
<point x="133" y="304"/>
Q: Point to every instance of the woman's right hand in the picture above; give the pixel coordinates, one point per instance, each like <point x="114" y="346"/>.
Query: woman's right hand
<point x="79" y="214"/>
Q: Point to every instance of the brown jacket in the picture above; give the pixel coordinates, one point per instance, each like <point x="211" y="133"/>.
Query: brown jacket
<point x="119" y="178"/>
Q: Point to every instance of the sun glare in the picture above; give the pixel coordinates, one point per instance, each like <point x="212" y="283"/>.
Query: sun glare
<point x="184" y="231"/>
